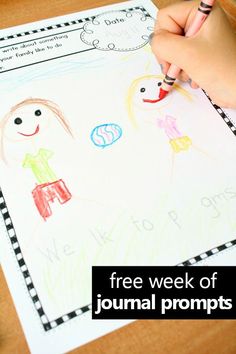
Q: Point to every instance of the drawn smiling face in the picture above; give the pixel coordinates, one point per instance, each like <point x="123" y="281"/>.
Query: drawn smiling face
<point x="26" y="122"/>
<point x="146" y="95"/>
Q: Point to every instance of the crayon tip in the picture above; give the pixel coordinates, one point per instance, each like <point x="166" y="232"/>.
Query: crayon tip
<point x="162" y="94"/>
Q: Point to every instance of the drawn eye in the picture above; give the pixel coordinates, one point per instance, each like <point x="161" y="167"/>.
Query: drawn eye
<point x="142" y="89"/>
<point x="159" y="83"/>
<point x="38" y="113"/>
<point x="18" y="121"/>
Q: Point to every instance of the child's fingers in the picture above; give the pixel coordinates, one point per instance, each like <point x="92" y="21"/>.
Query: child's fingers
<point x="164" y="65"/>
<point x="172" y="48"/>
<point x="208" y="57"/>
<point x="194" y="85"/>
<point x="175" y="18"/>
<point x="183" y="76"/>
<point x="164" y="21"/>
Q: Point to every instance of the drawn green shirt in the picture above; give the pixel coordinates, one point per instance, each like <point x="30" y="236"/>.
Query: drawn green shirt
<point x="39" y="166"/>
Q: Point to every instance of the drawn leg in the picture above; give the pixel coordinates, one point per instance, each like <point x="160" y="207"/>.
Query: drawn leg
<point x="41" y="200"/>
<point x="61" y="191"/>
<point x="202" y="151"/>
<point x="172" y="166"/>
<point x="45" y="193"/>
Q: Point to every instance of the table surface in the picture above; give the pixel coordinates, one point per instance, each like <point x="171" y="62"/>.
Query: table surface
<point x="152" y="337"/>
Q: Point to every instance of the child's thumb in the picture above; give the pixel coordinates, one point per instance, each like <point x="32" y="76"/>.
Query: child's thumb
<point x="170" y="47"/>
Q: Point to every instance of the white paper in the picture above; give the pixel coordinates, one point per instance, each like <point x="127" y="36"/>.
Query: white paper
<point x="94" y="174"/>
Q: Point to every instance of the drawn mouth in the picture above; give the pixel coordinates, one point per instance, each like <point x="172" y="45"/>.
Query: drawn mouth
<point x="36" y="131"/>
<point x="151" y="101"/>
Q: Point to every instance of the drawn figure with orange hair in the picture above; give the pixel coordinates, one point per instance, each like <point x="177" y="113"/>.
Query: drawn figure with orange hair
<point x="25" y="122"/>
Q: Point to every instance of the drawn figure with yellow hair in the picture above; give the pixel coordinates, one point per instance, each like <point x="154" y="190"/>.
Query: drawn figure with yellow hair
<point x="25" y="122"/>
<point x="143" y="94"/>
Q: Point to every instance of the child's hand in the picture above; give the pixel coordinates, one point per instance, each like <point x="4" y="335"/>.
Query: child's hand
<point x="208" y="58"/>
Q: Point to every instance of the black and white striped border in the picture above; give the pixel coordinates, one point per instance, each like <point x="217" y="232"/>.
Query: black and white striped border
<point x="208" y="254"/>
<point x="223" y="115"/>
<point x="47" y="325"/>
<point x="43" y="29"/>
<point x="66" y="24"/>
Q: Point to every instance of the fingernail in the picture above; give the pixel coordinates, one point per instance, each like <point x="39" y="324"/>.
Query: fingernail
<point x="151" y="37"/>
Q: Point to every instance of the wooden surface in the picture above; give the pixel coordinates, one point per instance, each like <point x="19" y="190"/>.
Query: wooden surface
<point x="16" y="12"/>
<point x="229" y="7"/>
<point x="140" y="337"/>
